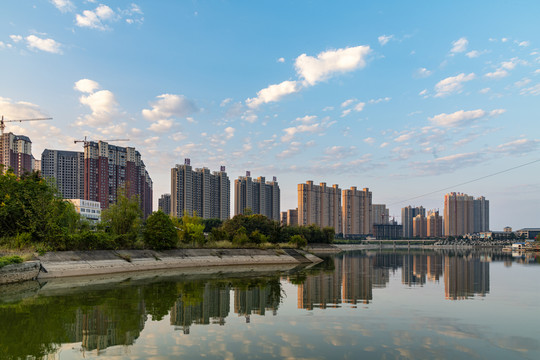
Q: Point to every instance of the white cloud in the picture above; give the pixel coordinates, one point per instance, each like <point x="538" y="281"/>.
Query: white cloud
<point x="225" y="102"/>
<point x="533" y="90"/>
<point x="404" y="137"/>
<point x="383" y="145"/>
<point x="315" y="69"/>
<point x="103" y="106"/>
<point x="524" y="43"/>
<point x="339" y="152"/>
<point x="308" y="119"/>
<point x="168" y="106"/>
<point x="345" y="112"/>
<point x="384" y="39"/>
<point x="518" y="147"/>
<point x="423" y="72"/>
<point x="504" y="39"/>
<point x="229" y="132"/>
<point x="462" y="117"/>
<point x="521" y="83"/>
<point x="63" y="5"/>
<point x="369" y="140"/>
<point x="16" y="38"/>
<point x="249" y="116"/>
<point x="459" y="45"/>
<point x="162" y="125"/>
<point x="497" y="74"/>
<point x="95" y="19"/>
<point x="423" y="93"/>
<point x="273" y="93"/>
<point x="473" y="54"/>
<point x="310" y="127"/>
<point x="347" y="102"/>
<point x="178" y="136"/>
<point x="452" y="84"/>
<point x="48" y="45"/>
<point x="281" y="60"/>
<point x="379" y="100"/>
<point x="359" y="107"/>
<point x="86" y="86"/>
<point x="485" y="90"/>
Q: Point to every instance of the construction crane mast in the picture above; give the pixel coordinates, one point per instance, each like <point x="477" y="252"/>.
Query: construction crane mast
<point x="3" y="121"/>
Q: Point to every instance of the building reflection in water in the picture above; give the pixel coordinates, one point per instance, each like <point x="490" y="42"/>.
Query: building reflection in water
<point x="210" y="304"/>
<point x="356" y="274"/>
<point x="100" y="327"/>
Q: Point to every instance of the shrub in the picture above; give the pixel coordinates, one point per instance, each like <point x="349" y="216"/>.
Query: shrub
<point x="8" y="260"/>
<point x="298" y="240"/>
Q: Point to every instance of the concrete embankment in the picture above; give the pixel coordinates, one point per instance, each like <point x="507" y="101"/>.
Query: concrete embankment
<point x="19" y="272"/>
<point x="83" y="263"/>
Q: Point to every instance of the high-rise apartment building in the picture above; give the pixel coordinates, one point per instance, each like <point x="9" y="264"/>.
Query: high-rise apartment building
<point x="164" y="203"/>
<point x="458" y="214"/>
<point x="200" y="192"/>
<point x="435" y="228"/>
<point x="110" y="169"/>
<point x="407" y="215"/>
<point x="258" y="195"/>
<point x="65" y="170"/>
<point x="419" y="226"/>
<point x="16" y="153"/>
<point x="357" y="212"/>
<point x="319" y="205"/>
<point x="381" y="215"/>
<point x="481" y="214"/>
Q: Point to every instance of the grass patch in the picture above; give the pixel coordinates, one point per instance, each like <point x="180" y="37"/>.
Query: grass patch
<point x="8" y="260"/>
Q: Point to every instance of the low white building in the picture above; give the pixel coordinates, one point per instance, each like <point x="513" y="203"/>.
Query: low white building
<point x="88" y="209"/>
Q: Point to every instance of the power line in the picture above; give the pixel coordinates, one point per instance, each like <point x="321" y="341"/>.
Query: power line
<point x="467" y="182"/>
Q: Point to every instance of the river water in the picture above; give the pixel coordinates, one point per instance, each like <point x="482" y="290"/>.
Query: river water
<point x="374" y="305"/>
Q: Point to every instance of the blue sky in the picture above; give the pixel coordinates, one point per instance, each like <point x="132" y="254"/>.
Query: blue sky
<point x="404" y="98"/>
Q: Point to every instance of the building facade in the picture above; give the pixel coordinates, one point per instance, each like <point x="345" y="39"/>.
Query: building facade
<point x="381" y="215"/>
<point x="407" y="215"/>
<point x="458" y="214"/>
<point x="16" y="153"/>
<point x="200" y="192"/>
<point x="164" y="203"/>
<point x="419" y="226"/>
<point x="357" y="212"/>
<point x="110" y="169"/>
<point x="65" y="170"/>
<point x="435" y="228"/>
<point x="260" y="196"/>
<point x="90" y="210"/>
<point x="481" y="214"/>
<point x="319" y="205"/>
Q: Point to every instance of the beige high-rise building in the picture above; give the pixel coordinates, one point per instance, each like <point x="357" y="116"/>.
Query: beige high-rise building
<point x="200" y="192"/>
<point x="357" y="212"/>
<point x="407" y="215"/>
<point x="435" y="228"/>
<point x="258" y="195"/>
<point x="458" y="214"/>
<point x="419" y="226"/>
<point x="381" y="215"/>
<point x="16" y="153"/>
<point x="320" y="205"/>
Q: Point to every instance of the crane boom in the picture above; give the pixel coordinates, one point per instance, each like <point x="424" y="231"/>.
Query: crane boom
<point x="3" y="121"/>
<point x="86" y="141"/>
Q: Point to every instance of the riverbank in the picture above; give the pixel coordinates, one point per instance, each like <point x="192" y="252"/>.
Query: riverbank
<point x="83" y="263"/>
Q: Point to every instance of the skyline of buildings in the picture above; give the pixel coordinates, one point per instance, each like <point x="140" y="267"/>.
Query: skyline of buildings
<point x="108" y="168"/>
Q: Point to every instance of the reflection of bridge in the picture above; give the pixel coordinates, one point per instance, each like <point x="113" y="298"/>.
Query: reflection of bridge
<point x="407" y="242"/>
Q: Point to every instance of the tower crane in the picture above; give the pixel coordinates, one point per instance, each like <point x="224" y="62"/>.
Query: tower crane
<point x="86" y="141"/>
<point x="3" y="121"/>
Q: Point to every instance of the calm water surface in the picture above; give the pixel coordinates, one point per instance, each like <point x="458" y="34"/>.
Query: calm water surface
<point x="410" y="304"/>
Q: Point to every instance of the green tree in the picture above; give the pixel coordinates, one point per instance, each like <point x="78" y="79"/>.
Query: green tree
<point x="123" y="220"/>
<point x="190" y="229"/>
<point x="210" y="224"/>
<point x="159" y="232"/>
